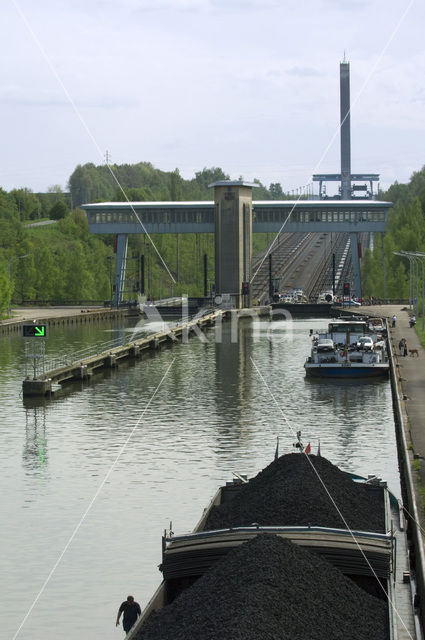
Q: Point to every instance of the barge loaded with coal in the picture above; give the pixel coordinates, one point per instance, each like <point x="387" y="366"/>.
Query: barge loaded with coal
<point x="303" y="551"/>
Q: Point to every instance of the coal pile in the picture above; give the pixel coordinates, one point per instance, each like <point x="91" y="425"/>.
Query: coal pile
<point x="270" y="589"/>
<point x="289" y="493"/>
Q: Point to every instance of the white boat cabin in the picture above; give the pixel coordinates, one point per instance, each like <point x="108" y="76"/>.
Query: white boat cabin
<point x="347" y="332"/>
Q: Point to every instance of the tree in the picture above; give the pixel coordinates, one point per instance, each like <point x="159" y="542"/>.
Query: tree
<point x="58" y="211"/>
<point x="47" y="273"/>
<point x="208" y="176"/>
<point x="27" y="203"/>
<point x="23" y="272"/>
<point x="276" y="191"/>
<point x="55" y="188"/>
<point x="176" y="186"/>
<point x="5" y="290"/>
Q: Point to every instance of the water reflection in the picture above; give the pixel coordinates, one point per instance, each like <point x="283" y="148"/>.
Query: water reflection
<point x="35" y="446"/>
<point x="233" y="372"/>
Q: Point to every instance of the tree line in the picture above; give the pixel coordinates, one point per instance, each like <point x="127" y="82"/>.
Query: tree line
<point x="142" y="182"/>
<point x="385" y="275"/>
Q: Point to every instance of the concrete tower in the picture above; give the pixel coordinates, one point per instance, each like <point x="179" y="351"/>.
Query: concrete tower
<point x="233" y="239"/>
<point x="344" y="78"/>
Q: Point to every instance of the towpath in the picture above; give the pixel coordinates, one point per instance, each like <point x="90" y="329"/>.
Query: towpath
<point x="19" y="314"/>
<point x="411" y="380"/>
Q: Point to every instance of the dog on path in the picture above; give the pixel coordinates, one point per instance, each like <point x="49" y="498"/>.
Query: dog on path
<point x="413" y="352"/>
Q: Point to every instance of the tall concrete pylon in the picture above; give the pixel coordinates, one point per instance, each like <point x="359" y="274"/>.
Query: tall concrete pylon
<point x="344" y="83"/>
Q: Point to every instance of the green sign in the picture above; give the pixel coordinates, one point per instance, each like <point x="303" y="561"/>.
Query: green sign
<point x="34" y="330"/>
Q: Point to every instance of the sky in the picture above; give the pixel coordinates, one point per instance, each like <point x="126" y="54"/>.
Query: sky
<point x="250" y="86"/>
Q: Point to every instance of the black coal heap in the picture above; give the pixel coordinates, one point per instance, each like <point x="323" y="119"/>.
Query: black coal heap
<point x="302" y="490"/>
<point x="270" y="589"/>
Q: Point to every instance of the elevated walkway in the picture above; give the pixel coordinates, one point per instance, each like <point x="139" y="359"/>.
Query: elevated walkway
<point x="303" y="216"/>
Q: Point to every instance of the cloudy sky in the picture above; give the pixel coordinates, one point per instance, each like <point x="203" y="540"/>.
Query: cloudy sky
<point x="251" y="86"/>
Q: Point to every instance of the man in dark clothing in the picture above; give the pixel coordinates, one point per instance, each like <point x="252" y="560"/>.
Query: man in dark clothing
<point x="131" y="612"/>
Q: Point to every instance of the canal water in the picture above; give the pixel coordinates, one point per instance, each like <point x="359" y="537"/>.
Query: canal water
<point x="91" y="479"/>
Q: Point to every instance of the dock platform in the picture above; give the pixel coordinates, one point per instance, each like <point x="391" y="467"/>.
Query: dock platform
<point x="83" y="369"/>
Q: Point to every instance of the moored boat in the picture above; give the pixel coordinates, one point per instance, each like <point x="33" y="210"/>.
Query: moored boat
<point x="348" y="349"/>
<point x="236" y="571"/>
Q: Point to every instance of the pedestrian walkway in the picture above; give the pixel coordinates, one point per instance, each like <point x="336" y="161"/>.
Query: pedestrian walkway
<point x="29" y="314"/>
<point x="411" y="375"/>
<point x="411" y="378"/>
<point x="412" y="382"/>
<point x="55" y="316"/>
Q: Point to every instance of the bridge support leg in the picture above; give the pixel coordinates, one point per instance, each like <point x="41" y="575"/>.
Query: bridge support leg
<point x="355" y="261"/>
<point x="122" y="243"/>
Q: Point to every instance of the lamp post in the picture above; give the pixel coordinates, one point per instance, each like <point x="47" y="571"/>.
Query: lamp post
<point x="421" y="257"/>
<point x="404" y="254"/>
<point x="410" y="281"/>
<point x="416" y="262"/>
<point x="9" y="262"/>
<point x="415" y="258"/>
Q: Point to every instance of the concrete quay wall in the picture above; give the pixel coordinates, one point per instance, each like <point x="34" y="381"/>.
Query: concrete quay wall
<point x="59" y="316"/>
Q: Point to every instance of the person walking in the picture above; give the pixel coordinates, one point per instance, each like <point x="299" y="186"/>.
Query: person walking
<point x="401" y="346"/>
<point x="131" y="610"/>
<point x="404" y="347"/>
<point x="394" y="319"/>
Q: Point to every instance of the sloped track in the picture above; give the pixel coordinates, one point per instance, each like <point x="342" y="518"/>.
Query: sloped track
<point x="297" y="260"/>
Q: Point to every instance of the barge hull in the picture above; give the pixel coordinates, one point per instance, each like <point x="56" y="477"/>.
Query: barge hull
<point x="324" y="371"/>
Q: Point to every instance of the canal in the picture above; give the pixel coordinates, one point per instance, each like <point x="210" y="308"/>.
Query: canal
<point x="91" y="479"/>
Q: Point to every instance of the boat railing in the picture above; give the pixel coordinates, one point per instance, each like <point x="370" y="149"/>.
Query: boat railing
<point x="357" y="552"/>
<point x="283" y="529"/>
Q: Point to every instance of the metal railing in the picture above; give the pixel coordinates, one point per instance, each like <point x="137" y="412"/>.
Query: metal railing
<point x="67" y="359"/>
<point x="74" y="357"/>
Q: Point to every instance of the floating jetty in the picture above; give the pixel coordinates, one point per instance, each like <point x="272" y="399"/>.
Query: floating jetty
<point x="83" y="369"/>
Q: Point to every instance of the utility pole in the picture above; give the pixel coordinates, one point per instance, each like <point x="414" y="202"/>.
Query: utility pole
<point x="205" y="275"/>
<point x="270" y="278"/>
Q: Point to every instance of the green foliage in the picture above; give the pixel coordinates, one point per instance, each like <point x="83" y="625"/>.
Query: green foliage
<point x="261" y="240"/>
<point x="9" y="233"/>
<point x="176" y="189"/>
<point x="134" y="194"/>
<point x="8" y="208"/>
<point x="405" y="232"/>
<point x="208" y="176"/>
<point x="26" y="203"/>
<point x="58" y="210"/>
<point x="90" y="183"/>
<point x="5" y="290"/>
<point x="276" y="191"/>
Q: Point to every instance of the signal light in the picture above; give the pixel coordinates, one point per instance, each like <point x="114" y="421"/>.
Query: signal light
<point x="245" y="288"/>
<point x="34" y="330"/>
